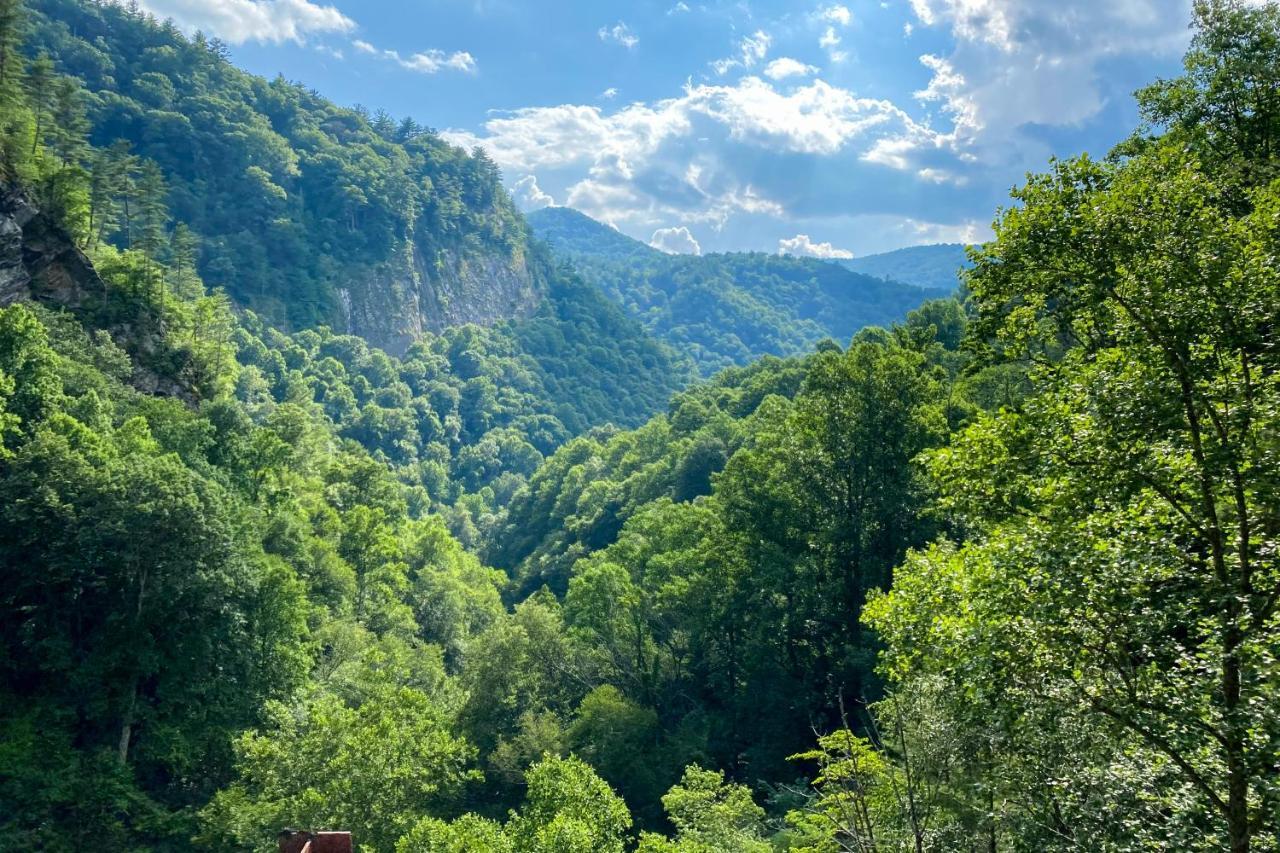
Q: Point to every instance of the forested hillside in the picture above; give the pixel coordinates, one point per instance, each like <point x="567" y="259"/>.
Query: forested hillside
<point x="305" y="211"/>
<point x="725" y="309"/>
<point x="936" y="267"/>
<point x="999" y="575"/>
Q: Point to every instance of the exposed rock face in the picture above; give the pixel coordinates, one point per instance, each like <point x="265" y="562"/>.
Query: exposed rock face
<point x="412" y="295"/>
<point x="38" y="260"/>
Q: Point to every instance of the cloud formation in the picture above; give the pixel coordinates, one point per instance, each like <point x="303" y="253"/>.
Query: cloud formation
<point x="801" y="246"/>
<point x="783" y="67"/>
<point x="423" y="62"/>
<point x="766" y="140"/>
<point x="751" y="50"/>
<point x="240" y="21"/>
<point x="619" y="33"/>
<point x="528" y="196"/>
<point x="675" y="241"/>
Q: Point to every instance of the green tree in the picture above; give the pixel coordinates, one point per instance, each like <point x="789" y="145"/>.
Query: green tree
<point x="710" y="816"/>
<point x="1126" y="514"/>
<point x="151" y="237"/>
<point x="569" y="809"/>
<point x="374" y="769"/>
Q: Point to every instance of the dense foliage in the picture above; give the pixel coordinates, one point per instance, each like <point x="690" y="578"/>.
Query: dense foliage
<point x="292" y="196"/>
<point x="935" y="267"/>
<point x="725" y="309"/>
<point x="1000" y="576"/>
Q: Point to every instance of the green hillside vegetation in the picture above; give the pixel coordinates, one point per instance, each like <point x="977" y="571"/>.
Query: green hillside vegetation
<point x="1000" y="576"/>
<point x="573" y="234"/>
<point x="291" y="196"/>
<point x="935" y="267"/>
<point x="725" y="309"/>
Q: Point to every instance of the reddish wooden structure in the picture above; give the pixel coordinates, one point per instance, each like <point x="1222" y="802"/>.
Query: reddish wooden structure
<point x="296" y="841"/>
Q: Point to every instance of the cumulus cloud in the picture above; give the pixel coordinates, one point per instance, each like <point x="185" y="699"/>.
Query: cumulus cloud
<point x="239" y="21"/>
<point x="801" y="246"/>
<point x="675" y="241"/>
<point x="816" y="118"/>
<point x="610" y="93"/>
<point x="780" y="142"/>
<point x="1020" y="63"/>
<point x="528" y="196"/>
<point x="785" y="66"/>
<point x="619" y="33"/>
<point x="646" y="163"/>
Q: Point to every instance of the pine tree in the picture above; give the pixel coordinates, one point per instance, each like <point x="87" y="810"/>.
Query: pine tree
<point x="110" y="175"/>
<point x="70" y="128"/>
<point x="12" y="21"/>
<point x="153" y="219"/>
<point x="183" y="249"/>
<point x="40" y="85"/>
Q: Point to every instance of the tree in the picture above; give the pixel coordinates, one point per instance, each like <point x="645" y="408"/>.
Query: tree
<point x="1226" y="106"/>
<point x="40" y="88"/>
<point x="1128" y="513"/>
<point x="710" y="816"/>
<point x="153" y="221"/>
<point x="374" y="769"/>
<point x="569" y="809"/>
<point x="12" y="21"/>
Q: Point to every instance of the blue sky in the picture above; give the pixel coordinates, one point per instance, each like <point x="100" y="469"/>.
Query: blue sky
<point x="823" y="128"/>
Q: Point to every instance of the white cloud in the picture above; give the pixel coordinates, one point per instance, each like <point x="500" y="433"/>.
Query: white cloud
<point x="830" y="41"/>
<point x="424" y="62"/>
<point x="609" y="94"/>
<point x="431" y="61"/>
<point x="1018" y="64"/>
<point x="755" y="46"/>
<point x="529" y="196"/>
<point x="675" y="241"/>
<point x="678" y="8"/>
<point x="817" y="118"/>
<point x="751" y="50"/>
<point x="239" y="21"/>
<point x="836" y="15"/>
<point x="619" y="33"/>
<point x="802" y="247"/>
<point x="785" y="66"/>
<point x="644" y="164"/>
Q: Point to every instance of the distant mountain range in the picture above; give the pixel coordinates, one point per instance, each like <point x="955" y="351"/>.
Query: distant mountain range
<point x="727" y="309"/>
<point x="934" y="266"/>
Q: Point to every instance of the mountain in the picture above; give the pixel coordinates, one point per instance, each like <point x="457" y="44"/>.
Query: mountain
<point x="934" y="267"/>
<point x="725" y="309"/>
<point x="305" y="211"/>
<point x="572" y="234"/>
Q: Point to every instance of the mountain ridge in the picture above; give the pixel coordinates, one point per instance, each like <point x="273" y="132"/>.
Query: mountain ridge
<point x="306" y="212"/>
<point x="726" y="309"/>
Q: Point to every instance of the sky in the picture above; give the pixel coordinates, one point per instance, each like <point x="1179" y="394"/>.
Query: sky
<point x="814" y="128"/>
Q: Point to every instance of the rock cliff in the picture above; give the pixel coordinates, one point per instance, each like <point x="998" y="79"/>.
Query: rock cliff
<point x="40" y="263"/>
<point x="396" y="302"/>
<point x="37" y="259"/>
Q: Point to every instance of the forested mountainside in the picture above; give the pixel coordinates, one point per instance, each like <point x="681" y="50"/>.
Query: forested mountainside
<point x="935" y="267"/>
<point x="306" y="212"/>
<point x="1000" y="576"/>
<point x="725" y="309"/>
